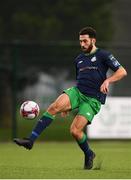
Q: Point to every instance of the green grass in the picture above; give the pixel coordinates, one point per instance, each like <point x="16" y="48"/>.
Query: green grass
<point x="64" y="160"/>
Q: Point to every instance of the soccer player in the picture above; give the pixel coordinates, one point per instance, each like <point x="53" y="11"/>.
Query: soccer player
<point x="87" y="95"/>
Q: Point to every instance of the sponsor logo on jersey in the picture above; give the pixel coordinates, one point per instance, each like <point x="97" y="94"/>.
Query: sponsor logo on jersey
<point x="88" y="68"/>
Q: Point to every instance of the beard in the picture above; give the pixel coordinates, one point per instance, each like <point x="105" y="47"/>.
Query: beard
<point x="87" y="50"/>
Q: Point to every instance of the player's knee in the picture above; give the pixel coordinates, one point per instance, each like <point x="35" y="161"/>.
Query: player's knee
<point x="75" y="132"/>
<point x="53" y="109"/>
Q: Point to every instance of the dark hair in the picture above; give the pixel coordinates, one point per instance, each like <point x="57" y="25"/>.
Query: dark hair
<point x="88" y="30"/>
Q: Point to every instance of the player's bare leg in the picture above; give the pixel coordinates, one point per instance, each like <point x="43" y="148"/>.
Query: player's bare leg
<point x="77" y="131"/>
<point x="61" y="104"/>
<point x="77" y="126"/>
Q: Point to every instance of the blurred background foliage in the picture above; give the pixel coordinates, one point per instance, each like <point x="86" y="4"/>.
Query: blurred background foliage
<point x="38" y="43"/>
<point x="55" y="20"/>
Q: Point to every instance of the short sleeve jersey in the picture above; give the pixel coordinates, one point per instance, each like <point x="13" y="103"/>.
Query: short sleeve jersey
<point x="91" y="71"/>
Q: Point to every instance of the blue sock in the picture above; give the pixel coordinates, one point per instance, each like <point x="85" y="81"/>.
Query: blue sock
<point x="42" y="123"/>
<point x="84" y="145"/>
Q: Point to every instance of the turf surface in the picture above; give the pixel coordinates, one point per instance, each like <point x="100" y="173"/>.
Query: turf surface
<point x="61" y="160"/>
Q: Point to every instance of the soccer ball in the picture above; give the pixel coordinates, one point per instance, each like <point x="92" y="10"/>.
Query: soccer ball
<point x="29" y="110"/>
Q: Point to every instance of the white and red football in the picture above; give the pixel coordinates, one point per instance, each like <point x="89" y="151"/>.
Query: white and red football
<point x="29" y="110"/>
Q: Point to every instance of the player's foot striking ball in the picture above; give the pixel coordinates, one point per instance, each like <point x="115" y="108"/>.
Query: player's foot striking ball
<point x="87" y="95"/>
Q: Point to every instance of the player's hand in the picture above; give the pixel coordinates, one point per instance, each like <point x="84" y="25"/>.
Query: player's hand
<point x="64" y="114"/>
<point x="105" y="87"/>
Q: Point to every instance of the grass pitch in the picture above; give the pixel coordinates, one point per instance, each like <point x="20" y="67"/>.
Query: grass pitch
<point x="64" y="160"/>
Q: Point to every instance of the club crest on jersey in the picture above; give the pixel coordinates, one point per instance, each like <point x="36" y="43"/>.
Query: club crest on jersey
<point x="93" y="59"/>
<point x="80" y="62"/>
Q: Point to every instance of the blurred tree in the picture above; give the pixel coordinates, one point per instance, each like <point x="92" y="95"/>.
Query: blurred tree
<point x="39" y="20"/>
<point x="48" y="20"/>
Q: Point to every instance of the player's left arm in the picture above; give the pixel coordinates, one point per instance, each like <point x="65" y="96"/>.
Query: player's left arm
<point x="116" y="76"/>
<point x="119" y="72"/>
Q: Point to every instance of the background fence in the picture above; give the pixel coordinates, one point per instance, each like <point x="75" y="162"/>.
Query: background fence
<point x="40" y="72"/>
